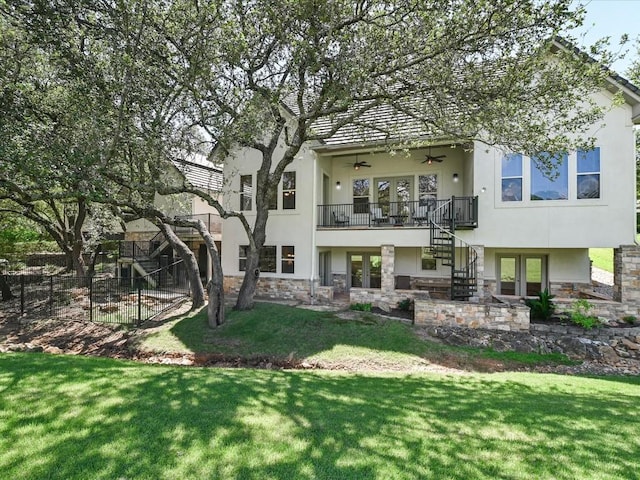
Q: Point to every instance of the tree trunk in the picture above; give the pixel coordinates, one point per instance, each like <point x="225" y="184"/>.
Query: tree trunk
<point x="189" y="259"/>
<point x="215" y="289"/>
<point x="249" y="282"/>
<point x="6" y="290"/>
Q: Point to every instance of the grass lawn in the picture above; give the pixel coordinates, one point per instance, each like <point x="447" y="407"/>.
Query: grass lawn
<point x="285" y="332"/>
<point x="65" y="417"/>
<point x="602" y="258"/>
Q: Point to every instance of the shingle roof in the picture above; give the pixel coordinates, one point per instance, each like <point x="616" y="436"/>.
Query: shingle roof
<point x="201" y="173"/>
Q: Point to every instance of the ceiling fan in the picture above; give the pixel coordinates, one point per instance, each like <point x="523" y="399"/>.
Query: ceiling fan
<point x="359" y="165"/>
<point x="429" y="159"/>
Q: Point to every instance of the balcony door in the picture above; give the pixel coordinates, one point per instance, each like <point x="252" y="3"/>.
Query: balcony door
<point x="522" y="275"/>
<point x="394" y="194"/>
<point x="365" y="270"/>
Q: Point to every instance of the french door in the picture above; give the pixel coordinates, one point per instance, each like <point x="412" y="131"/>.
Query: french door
<point x="523" y="275"/>
<point x="397" y="191"/>
<point x="365" y="270"/>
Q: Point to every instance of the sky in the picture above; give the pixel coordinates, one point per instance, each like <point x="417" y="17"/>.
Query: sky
<point x="612" y="18"/>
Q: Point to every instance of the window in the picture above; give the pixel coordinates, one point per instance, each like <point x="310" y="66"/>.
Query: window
<point x="361" y="195"/>
<point x="549" y="177"/>
<point x="289" y="190"/>
<point x="427" y="259"/>
<point x="512" y="177"/>
<point x="428" y="189"/>
<point x="588" y="179"/>
<point x="246" y="191"/>
<point x="242" y="257"/>
<point x="268" y="259"/>
<point x="288" y="259"/>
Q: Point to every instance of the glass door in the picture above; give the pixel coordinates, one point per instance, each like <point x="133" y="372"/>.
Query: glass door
<point x="394" y="195"/>
<point x="365" y="270"/>
<point x="522" y="275"/>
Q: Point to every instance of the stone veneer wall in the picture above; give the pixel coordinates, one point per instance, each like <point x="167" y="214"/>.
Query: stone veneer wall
<point x="559" y="289"/>
<point x="607" y="309"/>
<point x="384" y="300"/>
<point x="626" y="274"/>
<point x="339" y="282"/>
<point x="280" y="288"/>
<point x="472" y="315"/>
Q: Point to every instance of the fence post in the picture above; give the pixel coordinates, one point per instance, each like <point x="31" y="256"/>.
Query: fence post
<point x="139" y="305"/>
<point x="51" y="295"/>
<point x="21" y="294"/>
<point x="91" y="299"/>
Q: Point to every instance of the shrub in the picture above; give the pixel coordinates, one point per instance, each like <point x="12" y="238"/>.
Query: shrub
<point x="361" y="307"/>
<point x="580" y="315"/>
<point x="405" y="305"/>
<point x="630" y="319"/>
<point x="542" y="308"/>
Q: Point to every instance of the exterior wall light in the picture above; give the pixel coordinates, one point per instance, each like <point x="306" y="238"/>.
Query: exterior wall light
<point x="455" y="178"/>
<point x="338" y="186"/>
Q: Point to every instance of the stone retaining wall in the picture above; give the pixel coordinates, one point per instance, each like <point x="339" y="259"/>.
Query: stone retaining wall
<point x="493" y="316"/>
<point x="607" y="309"/>
<point x="384" y="300"/>
<point x="277" y="288"/>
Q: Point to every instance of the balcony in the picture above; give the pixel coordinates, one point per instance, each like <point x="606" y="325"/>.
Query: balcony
<point x="456" y="212"/>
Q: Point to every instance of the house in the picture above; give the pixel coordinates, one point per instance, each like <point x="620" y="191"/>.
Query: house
<point x="144" y="249"/>
<point x="450" y="220"/>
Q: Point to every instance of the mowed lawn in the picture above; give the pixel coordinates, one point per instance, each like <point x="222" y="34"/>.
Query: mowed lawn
<point x="66" y="417"/>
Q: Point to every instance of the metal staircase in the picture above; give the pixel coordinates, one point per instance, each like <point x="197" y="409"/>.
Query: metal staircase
<point x="145" y="258"/>
<point x="452" y="250"/>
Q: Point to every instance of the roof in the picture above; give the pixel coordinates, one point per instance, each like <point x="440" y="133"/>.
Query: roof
<point x="200" y="172"/>
<point x="383" y="123"/>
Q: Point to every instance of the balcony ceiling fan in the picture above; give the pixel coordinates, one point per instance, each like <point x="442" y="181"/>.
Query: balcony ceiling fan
<point x="429" y="159"/>
<point x="358" y="165"/>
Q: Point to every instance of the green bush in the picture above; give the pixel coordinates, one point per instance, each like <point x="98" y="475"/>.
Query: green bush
<point x="630" y="319"/>
<point x="361" y="307"/>
<point x="405" y="305"/>
<point x="580" y="315"/>
<point x="542" y="308"/>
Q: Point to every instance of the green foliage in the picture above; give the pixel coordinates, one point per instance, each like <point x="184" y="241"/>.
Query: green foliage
<point x="630" y="319"/>
<point x="405" y="305"/>
<point x="542" y="308"/>
<point x="579" y="314"/>
<point x="360" y="307"/>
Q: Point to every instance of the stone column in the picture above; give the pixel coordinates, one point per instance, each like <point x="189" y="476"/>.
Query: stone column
<point x="388" y="267"/>
<point x="626" y="274"/>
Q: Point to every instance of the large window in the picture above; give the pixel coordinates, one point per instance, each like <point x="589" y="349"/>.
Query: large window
<point x="289" y="190"/>
<point x="428" y="189"/>
<point x="246" y="191"/>
<point x="361" y="195"/>
<point x="268" y="259"/>
<point x="588" y="168"/>
<point x="512" y="177"/>
<point x="549" y="177"/>
<point x="428" y="261"/>
<point x="288" y="259"/>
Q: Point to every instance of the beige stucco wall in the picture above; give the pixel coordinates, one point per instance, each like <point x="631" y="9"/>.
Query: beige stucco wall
<point x="284" y="227"/>
<point x="605" y="222"/>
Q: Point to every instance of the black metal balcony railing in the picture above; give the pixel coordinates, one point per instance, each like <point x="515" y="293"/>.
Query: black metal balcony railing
<point x="417" y="213"/>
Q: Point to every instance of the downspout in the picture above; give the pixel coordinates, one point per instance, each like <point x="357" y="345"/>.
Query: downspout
<point x="314" y="218"/>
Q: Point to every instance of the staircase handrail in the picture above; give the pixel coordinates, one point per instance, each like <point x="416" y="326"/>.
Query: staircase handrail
<point x="163" y="268"/>
<point x="472" y="263"/>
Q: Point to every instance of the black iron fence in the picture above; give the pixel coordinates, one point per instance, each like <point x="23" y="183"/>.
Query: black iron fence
<point x="127" y="301"/>
<point x="463" y="210"/>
